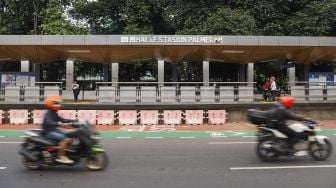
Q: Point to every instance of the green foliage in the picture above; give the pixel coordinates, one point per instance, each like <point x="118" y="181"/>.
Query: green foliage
<point x="15" y="17"/>
<point x="129" y="72"/>
<point x="87" y="69"/>
<point x="317" y="19"/>
<point x="54" y="23"/>
<point x="208" y="17"/>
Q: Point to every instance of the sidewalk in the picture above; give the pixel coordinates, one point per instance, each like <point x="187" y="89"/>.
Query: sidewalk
<point x="232" y="126"/>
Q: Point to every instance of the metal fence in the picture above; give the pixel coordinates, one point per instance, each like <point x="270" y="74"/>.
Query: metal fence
<point x="169" y="92"/>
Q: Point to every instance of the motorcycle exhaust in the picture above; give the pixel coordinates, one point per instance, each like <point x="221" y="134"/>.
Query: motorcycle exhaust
<point x="28" y="155"/>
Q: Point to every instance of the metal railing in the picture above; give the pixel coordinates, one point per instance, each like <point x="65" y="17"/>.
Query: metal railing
<point x="175" y="91"/>
<point x="313" y="91"/>
<point x="166" y="92"/>
<point x="31" y="92"/>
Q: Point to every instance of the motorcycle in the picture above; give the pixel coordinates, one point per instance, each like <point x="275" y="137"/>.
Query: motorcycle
<point x="273" y="144"/>
<point x="38" y="152"/>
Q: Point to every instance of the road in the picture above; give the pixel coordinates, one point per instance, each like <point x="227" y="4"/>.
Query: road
<point x="173" y="162"/>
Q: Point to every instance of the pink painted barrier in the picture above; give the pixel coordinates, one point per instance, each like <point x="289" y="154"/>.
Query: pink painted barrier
<point x="127" y="117"/>
<point x="87" y="115"/>
<point x="172" y="117"/>
<point x="67" y="114"/>
<point x="194" y="117"/>
<point x="18" y="116"/>
<point x="1" y="116"/>
<point x="149" y="117"/>
<point x="216" y="117"/>
<point x="38" y="116"/>
<point x="105" y="117"/>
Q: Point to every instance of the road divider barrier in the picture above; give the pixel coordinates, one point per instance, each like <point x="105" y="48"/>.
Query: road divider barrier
<point x="122" y="117"/>
<point x="194" y="117"/>
<point x="172" y="117"/>
<point x="18" y="117"/>
<point x="217" y="117"/>
<point x="149" y="117"/>
<point x="128" y="117"/>
<point x="87" y="115"/>
<point x="1" y="116"/>
<point x="67" y="114"/>
<point x="105" y="117"/>
<point x="38" y="116"/>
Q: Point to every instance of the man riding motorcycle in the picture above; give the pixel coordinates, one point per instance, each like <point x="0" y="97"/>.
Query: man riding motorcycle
<point x="51" y="123"/>
<point x="281" y="114"/>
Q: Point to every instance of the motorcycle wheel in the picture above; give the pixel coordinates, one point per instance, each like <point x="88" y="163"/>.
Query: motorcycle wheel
<point x="320" y="152"/>
<point x="97" y="162"/>
<point x="265" y="150"/>
<point x="31" y="165"/>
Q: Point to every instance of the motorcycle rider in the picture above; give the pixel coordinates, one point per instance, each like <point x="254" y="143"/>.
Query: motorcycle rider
<point x="281" y="114"/>
<point x="51" y="123"/>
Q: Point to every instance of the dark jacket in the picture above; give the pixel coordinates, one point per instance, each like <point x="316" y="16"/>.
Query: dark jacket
<point x="50" y="121"/>
<point x="280" y="115"/>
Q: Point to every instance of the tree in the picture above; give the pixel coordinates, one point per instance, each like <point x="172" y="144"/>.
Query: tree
<point x="54" y="22"/>
<point x="100" y="17"/>
<point x="317" y="19"/>
<point x="15" y="17"/>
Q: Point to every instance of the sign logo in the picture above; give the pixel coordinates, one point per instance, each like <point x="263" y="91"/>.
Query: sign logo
<point x="171" y="39"/>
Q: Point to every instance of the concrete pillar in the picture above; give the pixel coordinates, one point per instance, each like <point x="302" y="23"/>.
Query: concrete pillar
<point x="291" y="76"/>
<point x="242" y="73"/>
<point x="206" y="76"/>
<point x="37" y="71"/>
<point x="306" y="72"/>
<point x="25" y="66"/>
<point x="250" y="73"/>
<point x="106" y="72"/>
<point x="114" y="73"/>
<point x="161" y="72"/>
<point x="69" y="77"/>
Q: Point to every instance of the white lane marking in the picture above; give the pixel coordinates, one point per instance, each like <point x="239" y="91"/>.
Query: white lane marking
<point x="249" y="136"/>
<point x="23" y="136"/>
<point x="10" y="142"/>
<point x="154" y="137"/>
<point x="219" y="143"/>
<point x="122" y="137"/>
<point x="2" y="136"/>
<point x="187" y="137"/>
<point x="281" y="167"/>
<point x="2" y="168"/>
<point x="235" y="133"/>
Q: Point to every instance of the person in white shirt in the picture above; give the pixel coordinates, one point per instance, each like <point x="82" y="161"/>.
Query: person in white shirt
<point x="273" y="88"/>
<point x="75" y="89"/>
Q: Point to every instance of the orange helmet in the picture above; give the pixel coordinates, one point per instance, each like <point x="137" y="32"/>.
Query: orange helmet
<point x="287" y="101"/>
<point x="53" y="102"/>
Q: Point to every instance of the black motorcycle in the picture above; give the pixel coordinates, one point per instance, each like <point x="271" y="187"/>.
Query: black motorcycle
<point x="273" y="143"/>
<point x="38" y="152"/>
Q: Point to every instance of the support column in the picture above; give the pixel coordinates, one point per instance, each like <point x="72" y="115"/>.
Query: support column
<point x="242" y="73"/>
<point x="114" y="73"/>
<point x="69" y="77"/>
<point x="291" y="76"/>
<point x="106" y="72"/>
<point x="306" y="69"/>
<point x="37" y="71"/>
<point x="250" y="73"/>
<point x="25" y="66"/>
<point x="161" y="72"/>
<point x="206" y="73"/>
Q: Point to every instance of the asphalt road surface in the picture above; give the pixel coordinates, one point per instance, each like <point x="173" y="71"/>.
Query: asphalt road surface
<point x="173" y="162"/>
